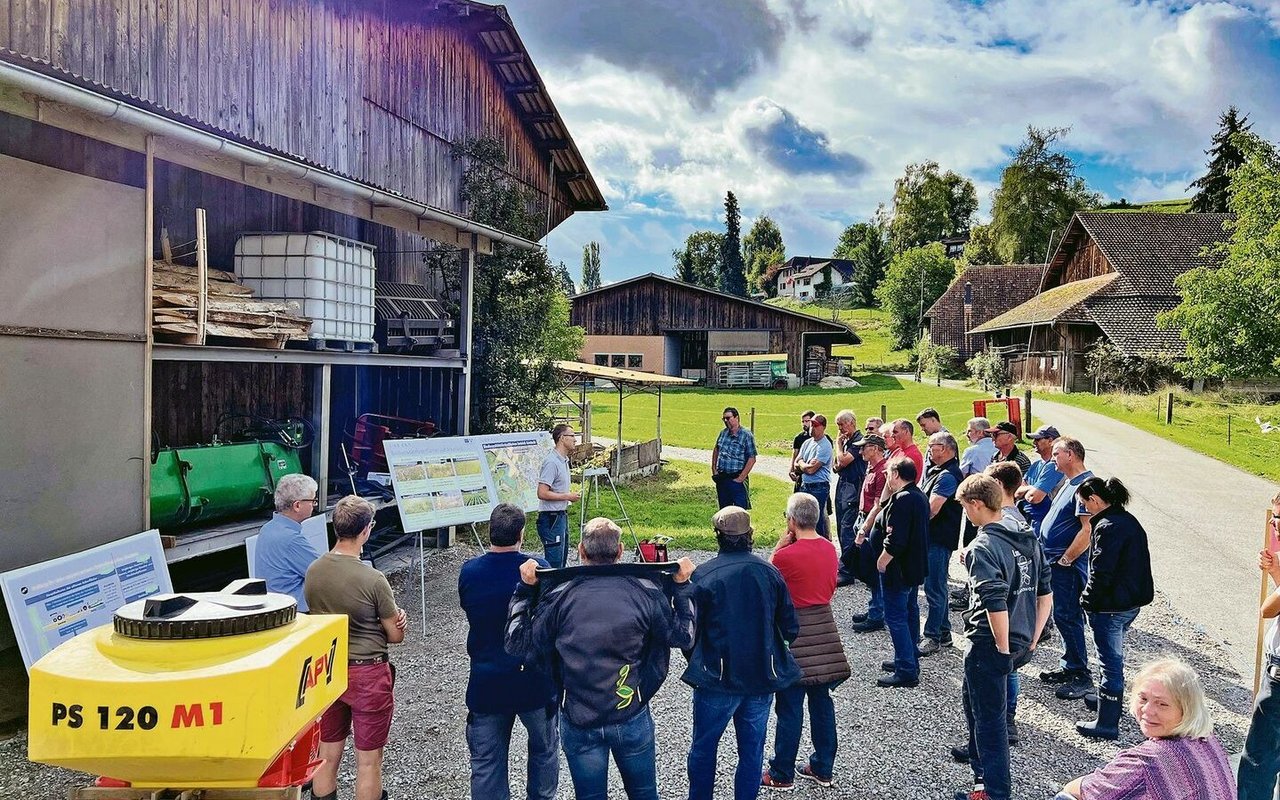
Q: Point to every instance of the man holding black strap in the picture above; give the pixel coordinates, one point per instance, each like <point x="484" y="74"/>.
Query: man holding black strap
<point x="731" y="461"/>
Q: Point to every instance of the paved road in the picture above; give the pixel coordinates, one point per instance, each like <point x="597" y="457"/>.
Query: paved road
<point x="1204" y="519"/>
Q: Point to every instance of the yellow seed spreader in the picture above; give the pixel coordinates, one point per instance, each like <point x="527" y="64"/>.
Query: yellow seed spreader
<point x="212" y="691"/>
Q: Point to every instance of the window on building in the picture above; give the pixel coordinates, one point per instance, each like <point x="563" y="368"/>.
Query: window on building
<point x="635" y="361"/>
<point x="618" y="360"/>
<point x="602" y="359"/>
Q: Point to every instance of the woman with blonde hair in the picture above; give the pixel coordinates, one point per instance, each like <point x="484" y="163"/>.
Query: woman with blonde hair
<point x="1181" y="758"/>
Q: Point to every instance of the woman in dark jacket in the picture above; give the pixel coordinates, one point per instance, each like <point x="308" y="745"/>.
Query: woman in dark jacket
<point x="1119" y="584"/>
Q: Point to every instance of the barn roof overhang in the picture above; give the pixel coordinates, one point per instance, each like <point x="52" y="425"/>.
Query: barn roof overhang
<point x="100" y="115"/>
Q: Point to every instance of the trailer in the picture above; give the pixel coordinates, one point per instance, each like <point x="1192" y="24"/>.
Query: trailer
<point x="755" y="371"/>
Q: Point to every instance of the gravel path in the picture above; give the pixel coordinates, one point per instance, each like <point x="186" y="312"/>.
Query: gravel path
<point x="893" y="743"/>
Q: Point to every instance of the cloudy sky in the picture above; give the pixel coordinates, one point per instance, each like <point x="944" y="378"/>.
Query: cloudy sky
<point x="809" y="109"/>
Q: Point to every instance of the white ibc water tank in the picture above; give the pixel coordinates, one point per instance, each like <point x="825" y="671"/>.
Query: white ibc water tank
<point x="330" y="277"/>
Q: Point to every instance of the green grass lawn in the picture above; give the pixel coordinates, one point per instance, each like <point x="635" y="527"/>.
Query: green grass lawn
<point x="1199" y="423"/>
<point x="691" y="417"/>
<point x="871" y="325"/>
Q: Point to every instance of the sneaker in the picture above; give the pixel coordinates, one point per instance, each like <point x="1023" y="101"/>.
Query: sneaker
<point x="767" y="781"/>
<point x="1080" y="684"/>
<point x="867" y="626"/>
<point x="896" y="681"/>
<point x="929" y="647"/>
<point x="960" y="754"/>
<point x="859" y="618"/>
<point x="1056" y="675"/>
<point x="976" y="794"/>
<point x="945" y="639"/>
<point x="888" y="666"/>
<point x="806" y="772"/>
<point x="1014" y="736"/>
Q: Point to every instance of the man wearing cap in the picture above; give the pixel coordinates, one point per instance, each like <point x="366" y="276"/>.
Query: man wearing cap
<point x="732" y="459"/>
<point x="1042" y="481"/>
<point x="803" y="436"/>
<point x="814" y="464"/>
<point x="1005" y="436"/>
<point x="741" y="655"/>
<point x="873" y="452"/>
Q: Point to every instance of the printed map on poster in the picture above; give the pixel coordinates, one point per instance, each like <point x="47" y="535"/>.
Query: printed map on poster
<point x="439" y="482"/>
<point x="53" y="601"/>
<point x="514" y="461"/>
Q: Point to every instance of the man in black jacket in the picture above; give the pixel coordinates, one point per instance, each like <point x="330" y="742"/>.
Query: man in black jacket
<point x="903" y="566"/>
<point x="746" y="623"/>
<point x="607" y="639"/>
<point x="939" y="486"/>
<point x="1009" y="602"/>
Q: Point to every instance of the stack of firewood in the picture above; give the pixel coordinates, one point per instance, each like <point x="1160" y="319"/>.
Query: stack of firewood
<point x="231" y="310"/>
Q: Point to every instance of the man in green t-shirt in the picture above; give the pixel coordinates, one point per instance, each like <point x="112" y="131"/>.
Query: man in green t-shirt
<point x="340" y="583"/>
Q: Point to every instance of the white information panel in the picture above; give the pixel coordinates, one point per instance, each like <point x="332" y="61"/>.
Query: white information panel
<point x="53" y="601"/>
<point x="314" y="529"/>
<point x="458" y="480"/>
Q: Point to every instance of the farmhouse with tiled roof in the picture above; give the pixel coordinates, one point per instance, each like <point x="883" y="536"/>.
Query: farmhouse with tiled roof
<point x="1109" y="278"/>
<point x="975" y="296"/>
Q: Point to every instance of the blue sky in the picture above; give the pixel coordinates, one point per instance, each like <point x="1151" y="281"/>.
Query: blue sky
<point x="809" y="110"/>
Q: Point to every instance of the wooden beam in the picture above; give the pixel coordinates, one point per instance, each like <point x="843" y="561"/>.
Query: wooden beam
<point x="148" y="245"/>
<point x="539" y="117"/>
<point x="522" y="88"/>
<point x="508" y="58"/>
<point x="202" y="277"/>
<point x="554" y="144"/>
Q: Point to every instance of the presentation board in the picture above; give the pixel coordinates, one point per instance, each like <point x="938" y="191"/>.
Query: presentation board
<point x="55" y="600"/>
<point x="314" y="529"/>
<point x="458" y="480"/>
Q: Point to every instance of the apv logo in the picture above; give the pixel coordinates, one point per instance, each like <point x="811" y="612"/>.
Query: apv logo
<point x="312" y="670"/>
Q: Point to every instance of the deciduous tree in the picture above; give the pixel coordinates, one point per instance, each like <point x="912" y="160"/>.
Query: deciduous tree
<point x="916" y="279"/>
<point x="1228" y="313"/>
<point x="1039" y="192"/>
<point x="981" y="247"/>
<point x="761" y="248"/>
<point x="930" y="205"/>
<point x="698" y="262"/>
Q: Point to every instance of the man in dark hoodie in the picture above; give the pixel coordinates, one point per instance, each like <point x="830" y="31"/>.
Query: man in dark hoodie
<point x="746" y="624"/>
<point x="606" y="639"/>
<point x="1009" y="601"/>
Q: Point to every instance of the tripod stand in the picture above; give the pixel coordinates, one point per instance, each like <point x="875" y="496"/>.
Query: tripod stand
<point x="591" y="487"/>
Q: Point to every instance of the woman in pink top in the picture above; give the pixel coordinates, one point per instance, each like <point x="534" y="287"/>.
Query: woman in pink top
<point x="1181" y="758"/>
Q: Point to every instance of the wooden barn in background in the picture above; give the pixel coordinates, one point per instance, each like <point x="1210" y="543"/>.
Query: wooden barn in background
<point x="1110" y="277"/>
<point x="120" y="118"/>
<point x="975" y="296"/>
<point x="658" y="324"/>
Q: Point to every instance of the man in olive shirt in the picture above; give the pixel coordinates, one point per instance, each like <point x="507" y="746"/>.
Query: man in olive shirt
<point x="340" y="583"/>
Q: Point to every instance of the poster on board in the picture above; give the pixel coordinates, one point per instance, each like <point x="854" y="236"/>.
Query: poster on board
<point x="514" y="461"/>
<point x="439" y="482"/>
<point x="56" y="600"/>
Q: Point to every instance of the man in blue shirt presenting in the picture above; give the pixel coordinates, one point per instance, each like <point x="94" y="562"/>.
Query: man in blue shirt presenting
<point x="284" y="554"/>
<point x="731" y="461"/>
<point x="500" y="687"/>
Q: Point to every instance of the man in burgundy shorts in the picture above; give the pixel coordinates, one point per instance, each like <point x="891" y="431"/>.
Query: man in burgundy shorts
<point x="340" y="583"/>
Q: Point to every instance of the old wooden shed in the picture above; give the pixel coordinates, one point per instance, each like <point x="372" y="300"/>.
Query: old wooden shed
<point x="659" y="324"/>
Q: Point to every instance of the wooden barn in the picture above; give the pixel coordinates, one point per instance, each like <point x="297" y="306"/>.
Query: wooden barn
<point x="978" y="294"/>
<point x="119" y="119"/>
<point x="658" y="324"/>
<point x="1109" y="278"/>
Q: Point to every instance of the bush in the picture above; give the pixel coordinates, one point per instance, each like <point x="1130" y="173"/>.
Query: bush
<point x="938" y="360"/>
<point x="988" y="369"/>
<point x="1114" y="371"/>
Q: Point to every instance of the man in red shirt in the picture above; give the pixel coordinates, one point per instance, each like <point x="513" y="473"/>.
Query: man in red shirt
<point x="808" y="563"/>
<point x="902" y="444"/>
<point x="873" y="452"/>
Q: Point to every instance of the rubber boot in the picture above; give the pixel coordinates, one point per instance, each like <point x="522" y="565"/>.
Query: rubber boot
<point x="1107" y="725"/>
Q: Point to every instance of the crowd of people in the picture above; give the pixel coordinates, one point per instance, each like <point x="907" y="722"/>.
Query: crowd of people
<point x="576" y="655"/>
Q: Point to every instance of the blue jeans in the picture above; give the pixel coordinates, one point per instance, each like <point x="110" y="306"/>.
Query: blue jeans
<point x="553" y="530"/>
<point x="1014" y="688"/>
<point x="875" y="605"/>
<point x="729" y="492"/>
<point x="986" y="680"/>
<point x="587" y="751"/>
<point x="711" y="714"/>
<point x="902" y="618"/>
<point x="822" y="730"/>
<point x="1067" y="584"/>
<point x="1108" y="635"/>
<point x="821" y="491"/>
<point x="846" y="525"/>
<point x="1260" y="762"/>
<point x="938" y="622"/>
<point x="489" y="740"/>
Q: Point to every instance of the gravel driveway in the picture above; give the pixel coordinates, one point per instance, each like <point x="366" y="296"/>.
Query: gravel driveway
<point x="893" y="743"/>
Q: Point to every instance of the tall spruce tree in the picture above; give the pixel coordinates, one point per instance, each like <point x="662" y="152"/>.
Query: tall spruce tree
<point x="1214" y="187"/>
<point x="733" y="279"/>
<point x="590" y="266"/>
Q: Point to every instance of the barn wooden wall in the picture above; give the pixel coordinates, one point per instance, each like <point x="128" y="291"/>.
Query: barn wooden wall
<point x="652" y="308"/>
<point x="1087" y="262"/>
<point x="373" y="89"/>
<point x="188" y="397"/>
